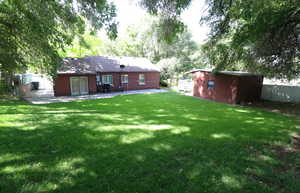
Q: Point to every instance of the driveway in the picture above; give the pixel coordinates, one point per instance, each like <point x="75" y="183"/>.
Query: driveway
<point x="44" y="99"/>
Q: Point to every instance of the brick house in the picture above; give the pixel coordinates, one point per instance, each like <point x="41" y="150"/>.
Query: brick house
<point x="227" y="87"/>
<point x="88" y="75"/>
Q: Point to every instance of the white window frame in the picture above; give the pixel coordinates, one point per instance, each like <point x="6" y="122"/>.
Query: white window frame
<point x="211" y="84"/>
<point x="140" y="79"/>
<point x="124" y="78"/>
<point x="104" y="79"/>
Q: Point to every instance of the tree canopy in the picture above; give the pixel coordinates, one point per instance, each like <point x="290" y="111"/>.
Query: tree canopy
<point x="143" y="40"/>
<point x="168" y="12"/>
<point x="263" y="36"/>
<point x="254" y="35"/>
<point x="32" y="32"/>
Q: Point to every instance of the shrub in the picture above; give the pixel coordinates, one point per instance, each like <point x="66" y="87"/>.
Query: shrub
<point x="163" y="83"/>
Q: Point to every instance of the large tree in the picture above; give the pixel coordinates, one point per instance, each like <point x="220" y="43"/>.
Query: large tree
<point x="85" y="45"/>
<point x="256" y="35"/>
<point x="168" y="12"/>
<point x="33" y="31"/>
<point x="261" y="36"/>
<point x="143" y="40"/>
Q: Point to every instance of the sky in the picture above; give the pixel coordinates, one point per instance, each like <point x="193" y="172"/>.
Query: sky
<point x="129" y="13"/>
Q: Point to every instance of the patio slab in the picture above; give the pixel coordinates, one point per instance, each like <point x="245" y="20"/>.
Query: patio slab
<point x="52" y="99"/>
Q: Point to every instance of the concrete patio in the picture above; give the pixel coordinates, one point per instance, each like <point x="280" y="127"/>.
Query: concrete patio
<point x="44" y="99"/>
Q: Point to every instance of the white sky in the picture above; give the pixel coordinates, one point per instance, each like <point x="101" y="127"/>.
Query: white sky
<point x="129" y="13"/>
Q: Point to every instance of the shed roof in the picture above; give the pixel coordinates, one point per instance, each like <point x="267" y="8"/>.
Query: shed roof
<point x="94" y="64"/>
<point x="233" y="73"/>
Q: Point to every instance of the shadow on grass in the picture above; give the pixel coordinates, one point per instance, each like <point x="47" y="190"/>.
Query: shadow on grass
<point x="142" y="143"/>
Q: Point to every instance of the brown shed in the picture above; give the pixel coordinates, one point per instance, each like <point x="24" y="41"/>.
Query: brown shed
<point x="227" y="87"/>
<point x="88" y="75"/>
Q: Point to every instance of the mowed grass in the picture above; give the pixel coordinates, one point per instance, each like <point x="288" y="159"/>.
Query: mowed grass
<point x="151" y="143"/>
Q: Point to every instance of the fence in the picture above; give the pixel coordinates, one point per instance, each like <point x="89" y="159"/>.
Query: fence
<point x="281" y="93"/>
<point x="185" y="85"/>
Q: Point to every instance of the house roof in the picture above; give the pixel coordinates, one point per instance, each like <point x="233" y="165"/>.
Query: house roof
<point x="94" y="64"/>
<point x="233" y="73"/>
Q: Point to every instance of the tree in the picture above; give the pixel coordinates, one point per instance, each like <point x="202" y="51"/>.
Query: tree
<point x="130" y="44"/>
<point x="256" y="35"/>
<point x="261" y="36"/>
<point x="85" y="45"/>
<point x="142" y="40"/>
<point x="32" y="32"/>
<point x="168" y="11"/>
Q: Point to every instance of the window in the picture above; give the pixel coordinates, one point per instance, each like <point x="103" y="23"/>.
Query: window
<point x="141" y="79"/>
<point x="211" y="85"/>
<point x="107" y="79"/>
<point x="98" y="82"/>
<point x="26" y="78"/>
<point x="98" y="78"/>
<point x="124" y="78"/>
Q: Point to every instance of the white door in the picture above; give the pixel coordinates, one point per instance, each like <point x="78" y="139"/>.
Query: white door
<point x="79" y="85"/>
<point x="84" y="85"/>
<point x="75" y="85"/>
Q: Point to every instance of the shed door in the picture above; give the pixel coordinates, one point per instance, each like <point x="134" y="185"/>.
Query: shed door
<point x="79" y="85"/>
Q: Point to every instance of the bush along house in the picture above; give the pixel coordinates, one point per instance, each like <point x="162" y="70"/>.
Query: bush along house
<point x="227" y="87"/>
<point x="92" y="74"/>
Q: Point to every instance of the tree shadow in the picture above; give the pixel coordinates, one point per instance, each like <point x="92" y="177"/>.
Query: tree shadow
<point x="131" y="144"/>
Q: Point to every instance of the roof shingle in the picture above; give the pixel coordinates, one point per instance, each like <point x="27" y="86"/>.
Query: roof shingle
<point x="94" y="64"/>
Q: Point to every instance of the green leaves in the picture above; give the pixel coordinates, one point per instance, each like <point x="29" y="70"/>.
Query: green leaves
<point x="263" y="36"/>
<point x="168" y="8"/>
<point x="254" y="35"/>
<point x="87" y="45"/>
<point x="168" y="12"/>
<point x="33" y="31"/>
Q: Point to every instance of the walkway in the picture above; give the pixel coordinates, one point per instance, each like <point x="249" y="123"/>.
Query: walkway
<point x="52" y="99"/>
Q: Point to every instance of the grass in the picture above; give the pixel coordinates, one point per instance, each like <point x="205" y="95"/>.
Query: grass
<point x="148" y="143"/>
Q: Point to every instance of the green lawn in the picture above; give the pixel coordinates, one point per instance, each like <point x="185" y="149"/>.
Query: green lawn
<point x="150" y="143"/>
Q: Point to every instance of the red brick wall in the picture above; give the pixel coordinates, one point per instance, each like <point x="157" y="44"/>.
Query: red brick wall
<point x="151" y="80"/>
<point x="92" y="84"/>
<point x="62" y="84"/>
<point x="250" y="88"/>
<point x="226" y="87"/>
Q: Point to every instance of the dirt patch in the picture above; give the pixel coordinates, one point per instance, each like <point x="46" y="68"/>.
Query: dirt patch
<point x="291" y="109"/>
<point x="296" y="141"/>
<point x="289" y="155"/>
<point x="288" y="166"/>
<point x="293" y="148"/>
